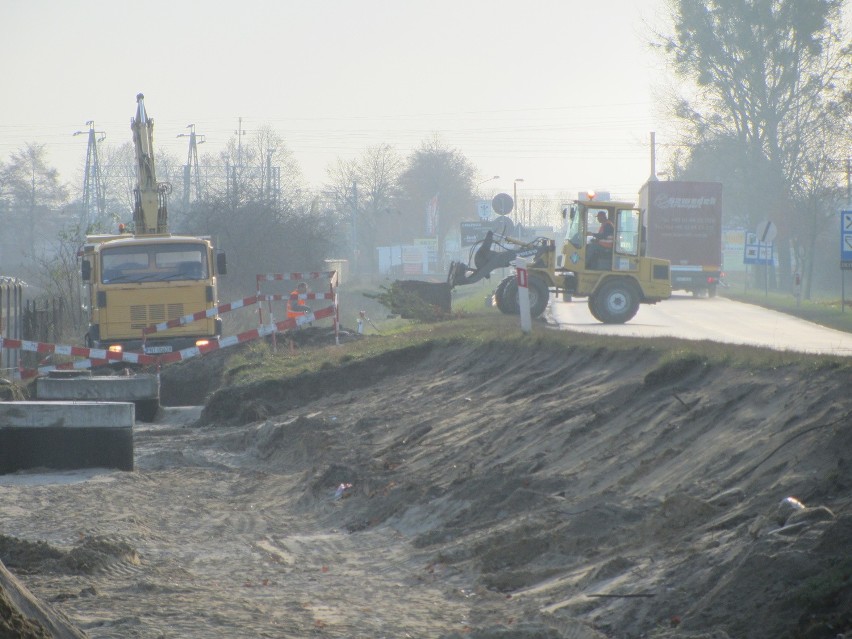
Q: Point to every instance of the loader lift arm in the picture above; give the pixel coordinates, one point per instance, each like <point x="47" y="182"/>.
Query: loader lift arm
<point x="486" y="259"/>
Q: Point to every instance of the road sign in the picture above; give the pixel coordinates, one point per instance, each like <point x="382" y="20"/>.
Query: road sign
<point x="483" y="209"/>
<point x="473" y="232"/>
<point x="502" y="203"/>
<point x="757" y="252"/>
<point x="846" y="240"/>
<point x="766" y="232"/>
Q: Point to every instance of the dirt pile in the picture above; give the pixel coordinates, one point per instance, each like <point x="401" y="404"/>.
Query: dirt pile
<point x="475" y="491"/>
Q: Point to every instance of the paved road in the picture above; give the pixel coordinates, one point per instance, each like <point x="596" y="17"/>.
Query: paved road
<point x="717" y="319"/>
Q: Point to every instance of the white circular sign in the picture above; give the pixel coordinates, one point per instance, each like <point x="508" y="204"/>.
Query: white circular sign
<point x="766" y="232"/>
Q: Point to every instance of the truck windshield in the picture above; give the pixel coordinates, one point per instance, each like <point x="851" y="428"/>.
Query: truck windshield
<point x="154" y="263"/>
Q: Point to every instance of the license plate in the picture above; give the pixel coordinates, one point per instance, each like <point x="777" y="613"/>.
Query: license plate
<point x="153" y="350"/>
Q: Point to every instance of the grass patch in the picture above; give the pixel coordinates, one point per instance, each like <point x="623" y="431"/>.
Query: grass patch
<point x="826" y="312"/>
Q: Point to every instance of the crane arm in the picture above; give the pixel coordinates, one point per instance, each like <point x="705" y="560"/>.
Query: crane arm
<point x="150" y="214"/>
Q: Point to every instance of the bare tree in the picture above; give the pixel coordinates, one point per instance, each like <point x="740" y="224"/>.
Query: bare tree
<point x="262" y="168"/>
<point x="118" y="168"/>
<point x="32" y="188"/>
<point x="437" y="181"/>
<point x="364" y="193"/>
<point x="58" y="274"/>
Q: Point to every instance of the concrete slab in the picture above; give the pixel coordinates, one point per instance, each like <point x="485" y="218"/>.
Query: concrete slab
<point x="142" y="390"/>
<point x="64" y="435"/>
<point x="107" y="388"/>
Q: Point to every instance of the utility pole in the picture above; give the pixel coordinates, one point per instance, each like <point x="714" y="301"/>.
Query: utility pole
<point x="190" y="169"/>
<point x="94" y="196"/>
<point x="272" y="183"/>
<point x="237" y="169"/>
<point x="354" y="227"/>
<point x="240" y="133"/>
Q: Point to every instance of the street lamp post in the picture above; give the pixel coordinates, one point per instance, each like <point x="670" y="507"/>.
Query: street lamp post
<point x="515" y="196"/>
<point x="495" y="177"/>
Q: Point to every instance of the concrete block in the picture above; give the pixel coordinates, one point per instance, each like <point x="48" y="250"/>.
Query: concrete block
<point x="106" y="388"/>
<point x="66" y="435"/>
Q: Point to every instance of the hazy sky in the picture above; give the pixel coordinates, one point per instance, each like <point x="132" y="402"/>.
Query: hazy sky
<point x="559" y="93"/>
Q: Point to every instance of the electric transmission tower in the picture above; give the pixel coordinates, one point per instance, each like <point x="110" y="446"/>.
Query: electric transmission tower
<point x="94" y="195"/>
<point x="190" y="169"/>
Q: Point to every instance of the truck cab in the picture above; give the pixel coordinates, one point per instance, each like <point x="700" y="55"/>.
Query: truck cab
<point x="134" y="282"/>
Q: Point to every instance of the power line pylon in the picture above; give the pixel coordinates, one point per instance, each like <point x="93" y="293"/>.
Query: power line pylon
<point x="190" y="169"/>
<point x="94" y="194"/>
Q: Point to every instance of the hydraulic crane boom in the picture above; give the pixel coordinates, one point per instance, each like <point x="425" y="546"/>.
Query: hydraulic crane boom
<point x="150" y="213"/>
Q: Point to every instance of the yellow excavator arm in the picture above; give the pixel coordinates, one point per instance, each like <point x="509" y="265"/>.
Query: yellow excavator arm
<point x="150" y="213"/>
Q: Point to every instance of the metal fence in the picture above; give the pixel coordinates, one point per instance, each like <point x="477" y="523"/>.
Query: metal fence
<point x="44" y="320"/>
<point x="11" y="321"/>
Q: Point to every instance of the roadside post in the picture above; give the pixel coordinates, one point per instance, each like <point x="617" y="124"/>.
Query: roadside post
<point x="797" y="288"/>
<point x="845" y="254"/>
<point x="766" y="232"/>
<point x="759" y="249"/>
<point x="522" y="276"/>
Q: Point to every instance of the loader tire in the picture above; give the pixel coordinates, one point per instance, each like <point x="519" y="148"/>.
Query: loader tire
<point x="539" y="296"/>
<point x="615" y="302"/>
<point x="507" y="303"/>
<point x="507" y="298"/>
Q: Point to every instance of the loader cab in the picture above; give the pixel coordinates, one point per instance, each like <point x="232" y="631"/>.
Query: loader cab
<point x="585" y="218"/>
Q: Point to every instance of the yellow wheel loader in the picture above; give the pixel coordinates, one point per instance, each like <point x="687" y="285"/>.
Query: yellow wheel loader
<point x="601" y="256"/>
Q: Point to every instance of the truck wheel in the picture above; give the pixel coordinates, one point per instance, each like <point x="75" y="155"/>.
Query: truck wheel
<point x="615" y="302"/>
<point x="711" y="290"/>
<point x="506" y="296"/>
<point x="539" y="296"/>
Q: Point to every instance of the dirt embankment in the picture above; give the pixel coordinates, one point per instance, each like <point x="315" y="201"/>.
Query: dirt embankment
<point x="473" y="491"/>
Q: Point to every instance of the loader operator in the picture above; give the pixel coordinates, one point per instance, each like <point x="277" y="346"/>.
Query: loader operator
<point x="599" y="250"/>
<point x="295" y="308"/>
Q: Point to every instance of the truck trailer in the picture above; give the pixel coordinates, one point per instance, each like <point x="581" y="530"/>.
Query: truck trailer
<point x="684" y="225"/>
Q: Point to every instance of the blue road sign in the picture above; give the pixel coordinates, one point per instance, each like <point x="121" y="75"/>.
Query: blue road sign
<point x="846" y="240"/>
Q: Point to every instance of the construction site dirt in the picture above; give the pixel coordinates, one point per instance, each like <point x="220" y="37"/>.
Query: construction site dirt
<point x="458" y="490"/>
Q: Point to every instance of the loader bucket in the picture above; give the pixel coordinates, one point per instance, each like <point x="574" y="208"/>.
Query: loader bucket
<point x="434" y="294"/>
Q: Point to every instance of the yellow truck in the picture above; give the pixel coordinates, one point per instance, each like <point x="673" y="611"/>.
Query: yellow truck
<point x="145" y="275"/>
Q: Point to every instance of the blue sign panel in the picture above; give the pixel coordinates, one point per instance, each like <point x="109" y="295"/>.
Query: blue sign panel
<point x="757" y="252"/>
<point x="846" y="240"/>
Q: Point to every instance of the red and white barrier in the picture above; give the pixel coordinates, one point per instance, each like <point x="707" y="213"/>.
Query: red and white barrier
<point x="292" y="277"/>
<point x="77" y="351"/>
<point x="211" y="312"/>
<point x="261" y="331"/>
<point x="101" y="357"/>
<point x="331" y="276"/>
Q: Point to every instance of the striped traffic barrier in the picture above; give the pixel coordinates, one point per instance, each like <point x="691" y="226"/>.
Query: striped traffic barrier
<point x="300" y="276"/>
<point x="101" y="357"/>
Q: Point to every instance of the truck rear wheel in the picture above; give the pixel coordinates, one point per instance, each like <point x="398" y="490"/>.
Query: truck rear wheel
<point x="615" y="302"/>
